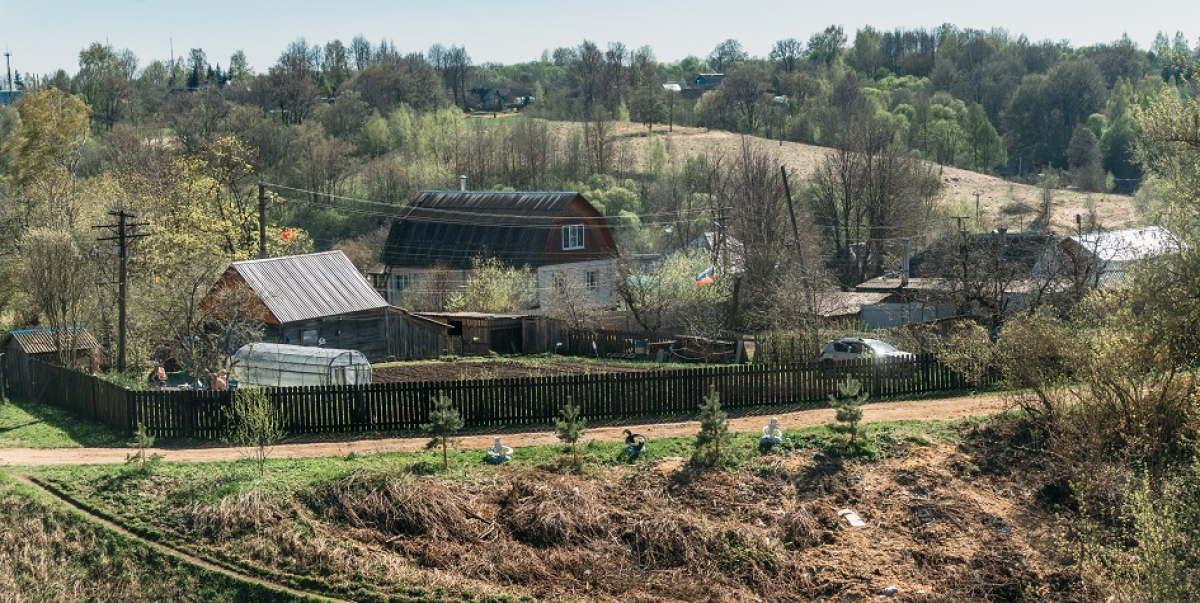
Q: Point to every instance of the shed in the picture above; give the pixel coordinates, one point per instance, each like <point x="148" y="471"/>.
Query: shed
<point x="478" y="333"/>
<point x="279" y="365"/>
<point x="320" y="299"/>
<point x="21" y="346"/>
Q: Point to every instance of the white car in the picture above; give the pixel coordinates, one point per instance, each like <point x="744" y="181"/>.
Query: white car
<point x="858" y="348"/>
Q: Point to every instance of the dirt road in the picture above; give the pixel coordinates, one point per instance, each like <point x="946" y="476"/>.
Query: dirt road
<point x="944" y="408"/>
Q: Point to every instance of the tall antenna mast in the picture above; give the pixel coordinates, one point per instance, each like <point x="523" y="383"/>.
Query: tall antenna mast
<point x="8" y="65"/>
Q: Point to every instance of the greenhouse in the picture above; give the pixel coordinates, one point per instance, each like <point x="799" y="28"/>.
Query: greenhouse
<point x="278" y="365"/>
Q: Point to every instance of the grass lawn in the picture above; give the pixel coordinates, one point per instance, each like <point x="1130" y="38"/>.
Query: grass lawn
<point x="26" y="424"/>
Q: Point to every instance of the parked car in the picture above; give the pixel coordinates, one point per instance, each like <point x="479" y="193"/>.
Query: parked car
<point x="861" y="348"/>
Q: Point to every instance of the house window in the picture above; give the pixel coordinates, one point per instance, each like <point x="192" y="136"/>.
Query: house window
<point x="560" y="283"/>
<point x="572" y="236"/>
<point x="592" y="281"/>
<point x="308" y="337"/>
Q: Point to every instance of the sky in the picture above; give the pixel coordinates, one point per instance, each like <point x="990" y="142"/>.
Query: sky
<point x="46" y="35"/>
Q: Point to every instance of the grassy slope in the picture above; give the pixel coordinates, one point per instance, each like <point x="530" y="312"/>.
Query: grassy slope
<point x="48" y="553"/>
<point x="291" y="524"/>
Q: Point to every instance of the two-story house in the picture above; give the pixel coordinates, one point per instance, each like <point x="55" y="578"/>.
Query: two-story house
<point x="559" y="235"/>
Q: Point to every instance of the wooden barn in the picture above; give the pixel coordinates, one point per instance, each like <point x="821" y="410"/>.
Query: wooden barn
<point x="22" y="346"/>
<point x="320" y="299"/>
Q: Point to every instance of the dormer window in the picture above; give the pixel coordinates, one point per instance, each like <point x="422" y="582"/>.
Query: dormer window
<point x="572" y="237"/>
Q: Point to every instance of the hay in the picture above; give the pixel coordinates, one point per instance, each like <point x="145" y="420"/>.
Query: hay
<point x="399" y="507"/>
<point x="237" y="514"/>
<point x="555" y="514"/>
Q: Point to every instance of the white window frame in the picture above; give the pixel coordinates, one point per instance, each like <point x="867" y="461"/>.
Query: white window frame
<point x="593" y="280"/>
<point x="572" y="237"/>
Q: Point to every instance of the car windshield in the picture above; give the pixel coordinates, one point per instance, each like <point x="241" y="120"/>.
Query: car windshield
<point x="882" y="348"/>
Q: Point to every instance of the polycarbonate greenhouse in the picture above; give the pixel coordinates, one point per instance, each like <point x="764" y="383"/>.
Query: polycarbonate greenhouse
<point x="278" y="365"/>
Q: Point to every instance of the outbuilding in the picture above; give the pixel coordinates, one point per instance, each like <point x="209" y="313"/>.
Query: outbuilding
<point x="321" y="300"/>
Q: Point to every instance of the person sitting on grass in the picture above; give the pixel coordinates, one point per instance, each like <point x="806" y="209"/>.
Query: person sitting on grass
<point x="634" y="442"/>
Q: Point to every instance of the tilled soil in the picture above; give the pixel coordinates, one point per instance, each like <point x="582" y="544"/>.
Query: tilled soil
<point x="489" y="369"/>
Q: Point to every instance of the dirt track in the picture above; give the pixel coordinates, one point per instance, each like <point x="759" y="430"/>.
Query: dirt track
<point x="945" y="408"/>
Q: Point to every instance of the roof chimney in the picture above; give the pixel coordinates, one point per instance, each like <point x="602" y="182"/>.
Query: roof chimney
<point x="462" y="183"/>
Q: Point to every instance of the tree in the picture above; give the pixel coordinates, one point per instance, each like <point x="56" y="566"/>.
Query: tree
<point x="714" y="430"/>
<point x="253" y="424"/>
<point x="46" y="151"/>
<point x="54" y="278"/>
<point x="982" y="140"/>
<point x="335" y="67"/>
<point x="826" y="47"/>
<point x="360" y="50"/>
<point x="848" y="403"/>
<point x="666" y="295"/>
<point x="494" y="287"/>
<point x="868" y="191"/>
<point x="1083" y="157"/>
<point x="291" y="88"/>
<point x="725" y="55"/>
<point x="444" y="422"/>
<point x="570" y="427"/>
<point x="787" y="54"/>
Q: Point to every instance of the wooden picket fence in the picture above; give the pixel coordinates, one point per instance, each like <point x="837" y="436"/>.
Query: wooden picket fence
<point x="496" y="403"/>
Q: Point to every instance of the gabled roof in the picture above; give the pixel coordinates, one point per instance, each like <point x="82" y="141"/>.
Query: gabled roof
<point x="1019" y="252"/>
<point x="1129" y="244"/>
<point x="314" y="285"/>
<point x="42" y="341"/>
<point x="448" y="228"/>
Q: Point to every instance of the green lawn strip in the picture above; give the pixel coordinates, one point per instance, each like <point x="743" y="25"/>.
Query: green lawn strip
<point x="87" y="556"/>
<point x="28" y="424"/>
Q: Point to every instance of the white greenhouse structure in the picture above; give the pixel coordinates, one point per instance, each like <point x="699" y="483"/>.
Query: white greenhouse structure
<point x="278" y="365"/>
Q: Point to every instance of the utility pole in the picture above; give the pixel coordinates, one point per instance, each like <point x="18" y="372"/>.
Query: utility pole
<point x="978" y="224"/>
<point x="262" y="221"/>
<point x="123" y="236"/>
<point x="808" y="293"/>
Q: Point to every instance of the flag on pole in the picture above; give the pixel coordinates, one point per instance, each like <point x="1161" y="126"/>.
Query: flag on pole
<point x="705" y="277"/>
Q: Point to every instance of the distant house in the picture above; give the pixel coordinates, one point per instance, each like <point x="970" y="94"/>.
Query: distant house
<point x="1110" y="255"/>
<point x="709" y="81"/>
<point x="964" y="275"/>
<point x="558" y="234"/>
<point x="320" y="299"/>
<point x="21" y="346"/>
<point x="730" y="252"/>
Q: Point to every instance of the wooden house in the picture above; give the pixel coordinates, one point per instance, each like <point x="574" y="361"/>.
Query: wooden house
<point x="21" y="346"/>
<point x="320" y="299"/>
<point x="560" y="235"/>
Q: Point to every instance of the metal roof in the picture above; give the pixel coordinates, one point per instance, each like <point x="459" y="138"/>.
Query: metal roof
<point x="1020" y="252"/>
<point x="314" y="285"/>
<point x="42" y="341"/>
<point x="1129" y="244"/>
<point x="449" y="228"/>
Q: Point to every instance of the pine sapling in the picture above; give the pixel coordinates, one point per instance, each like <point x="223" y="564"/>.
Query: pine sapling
<point x="848" y="404"/>
<point x="714" y="429"/>
<point x="570" y="427"/>
<point x="444" y="422"/>
<point x="143" y="441"/>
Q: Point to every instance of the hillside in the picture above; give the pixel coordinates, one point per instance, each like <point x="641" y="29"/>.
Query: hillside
<point x="999" y="199"/>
